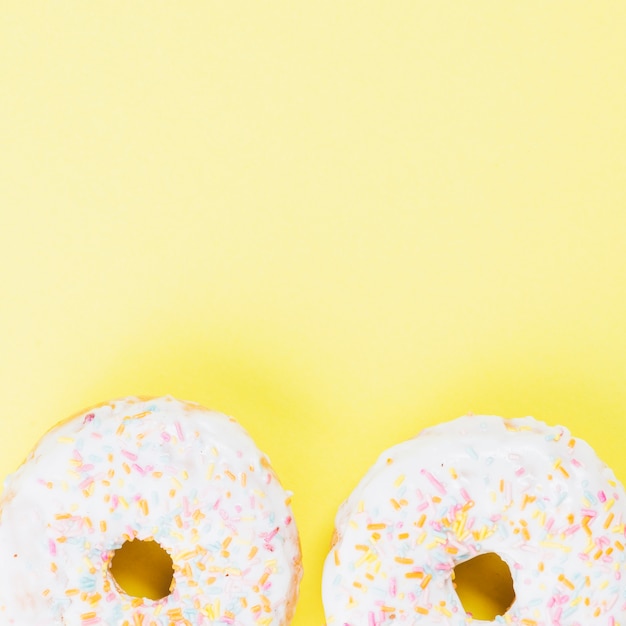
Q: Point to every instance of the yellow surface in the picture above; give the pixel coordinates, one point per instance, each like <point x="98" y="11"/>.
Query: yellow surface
<point x="339" y="222"/>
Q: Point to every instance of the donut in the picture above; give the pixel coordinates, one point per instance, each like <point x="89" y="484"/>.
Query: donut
<point x="173" y="473"/>
<point x="531" y="494"/>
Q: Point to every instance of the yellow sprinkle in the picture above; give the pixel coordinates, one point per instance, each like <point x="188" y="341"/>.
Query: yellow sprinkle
<point x="399" y="480"/>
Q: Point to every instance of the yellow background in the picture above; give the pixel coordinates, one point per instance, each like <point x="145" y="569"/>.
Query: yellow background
<point x="339" y="222"/>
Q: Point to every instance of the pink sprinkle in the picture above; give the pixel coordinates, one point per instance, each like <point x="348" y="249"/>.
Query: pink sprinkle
<point x="111" y="597"/>
<point x="589" y="512"/>
<point x="520" y="471"/>
<point x="288" y="520"/>
<point x="422" y="506"/>
<point x="370" y="619"/>
<point x="601" y="496"/>
<point x="393" y="587"/>
<point x="269" y="536"/>
<point x="438" y="486"/>
<point x="131" y="456"/>
<point x="89" y="418"/>
<point x="465" y="495"/>
<point x="572" y="529"/>
<point x="165" y="436"/>
<point x="52" y="547"/>
<point x="139" y="469"/>
<point x="86" y="483"/>
<point x="179" y="430"/>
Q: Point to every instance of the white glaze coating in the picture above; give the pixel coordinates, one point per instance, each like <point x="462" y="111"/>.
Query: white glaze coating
<point x="534" y="495"/>
<point x="189" y="478"/>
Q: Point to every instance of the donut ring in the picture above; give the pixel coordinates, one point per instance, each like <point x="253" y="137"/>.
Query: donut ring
<point x="532" y="494"/>
<point x="159" y="469"/>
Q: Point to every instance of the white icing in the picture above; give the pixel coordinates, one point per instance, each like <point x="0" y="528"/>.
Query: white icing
<point x="189" y="478"/>
<point x="533" y="494"/>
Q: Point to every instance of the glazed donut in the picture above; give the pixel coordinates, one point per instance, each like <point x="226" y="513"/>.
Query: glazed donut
<point x="534" y="495"/>
<point x="159" y="470"/>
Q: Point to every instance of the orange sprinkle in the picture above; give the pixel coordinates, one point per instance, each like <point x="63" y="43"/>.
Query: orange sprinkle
<point x="253" y="551"/>
<point x="376" y="526"/>
<point x="143" y="505"/>
<point x="425" y="582"/>
<point x="414" y="575"/>
<point x="568" y="583"/>
<point x="403" y="560"/>
<point x="336" y="554"/>
<point x="421" y="610"/>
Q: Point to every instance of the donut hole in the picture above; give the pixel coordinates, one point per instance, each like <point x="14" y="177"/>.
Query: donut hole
<point x="143" y="569"/>
<point x="484" y="586"/>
